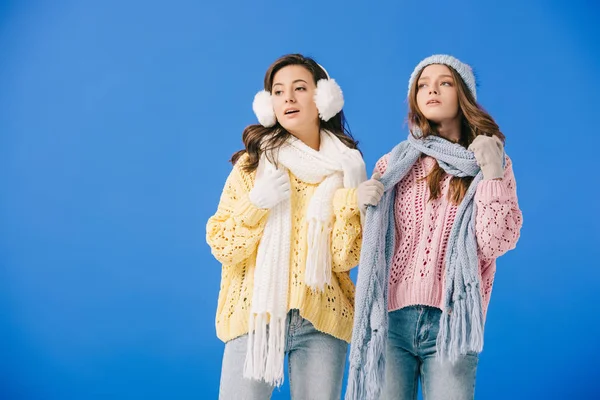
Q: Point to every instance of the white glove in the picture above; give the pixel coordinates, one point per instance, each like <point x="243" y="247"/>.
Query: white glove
<point x="489" y="152"/>
<point x="369" y="192"/>
<point x="271" y="188"/>
<point x="353" y="166"/>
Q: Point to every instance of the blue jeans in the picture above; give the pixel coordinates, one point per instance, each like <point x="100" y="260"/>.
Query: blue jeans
<point x="315" y="367"/>
<point x="411" y="354"/>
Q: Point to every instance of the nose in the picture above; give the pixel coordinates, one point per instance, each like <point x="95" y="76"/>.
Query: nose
<point x="289" y="97"/>
<point x="433" y="90"/>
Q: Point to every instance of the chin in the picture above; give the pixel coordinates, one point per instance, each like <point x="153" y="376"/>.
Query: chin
<point x="292" y="126"/>
<point x="436" y="118"/>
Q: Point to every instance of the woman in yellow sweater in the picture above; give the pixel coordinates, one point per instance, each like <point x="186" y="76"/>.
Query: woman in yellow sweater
<point x="287" y="231"/>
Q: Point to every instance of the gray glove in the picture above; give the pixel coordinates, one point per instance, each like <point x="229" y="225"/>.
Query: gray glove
<point x="489" y="152"/>
<point x="369" y="192"/>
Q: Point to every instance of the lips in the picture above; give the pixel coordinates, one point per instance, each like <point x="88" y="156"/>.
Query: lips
<point x="291" y="111"/>
<point x="432" y="102"/>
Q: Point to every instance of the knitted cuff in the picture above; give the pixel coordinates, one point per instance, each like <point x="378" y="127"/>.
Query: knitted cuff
<point x="492" y="190"/>
<point x="247" y="213"/>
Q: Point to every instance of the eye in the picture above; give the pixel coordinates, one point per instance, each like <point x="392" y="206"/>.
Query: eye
<point x="301" y="88"/>
<point x="277" y="92"/>
<point x="421" y="85"/>
<point x="447" y="83"/>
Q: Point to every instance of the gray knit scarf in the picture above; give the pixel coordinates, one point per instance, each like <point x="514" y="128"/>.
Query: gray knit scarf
<point x="461" y="323"/>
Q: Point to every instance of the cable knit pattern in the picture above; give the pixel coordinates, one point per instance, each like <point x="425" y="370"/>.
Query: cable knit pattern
<point x="233" y="234"/>
<point x="423" y="227"/>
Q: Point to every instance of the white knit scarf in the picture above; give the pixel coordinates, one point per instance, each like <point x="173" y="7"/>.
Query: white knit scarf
<point x="266" y="331"/>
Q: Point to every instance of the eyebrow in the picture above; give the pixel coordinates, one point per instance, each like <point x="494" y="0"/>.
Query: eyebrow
<point x="297" y="80"/>
<point x="441" y="76"/>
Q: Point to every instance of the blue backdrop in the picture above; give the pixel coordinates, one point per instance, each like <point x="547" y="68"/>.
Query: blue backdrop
<point x="117" y="119"/>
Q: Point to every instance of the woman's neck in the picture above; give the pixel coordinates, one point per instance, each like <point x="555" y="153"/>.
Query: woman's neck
<point x="310" y="137"/>
<point x="450" y="130"/>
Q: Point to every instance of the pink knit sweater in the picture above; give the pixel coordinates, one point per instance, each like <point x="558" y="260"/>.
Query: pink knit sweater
<point x="423" y="228"/>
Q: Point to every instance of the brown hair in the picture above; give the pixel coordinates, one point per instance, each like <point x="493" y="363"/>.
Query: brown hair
<point x="254" y="134"/>
<point x="475" y="121"/>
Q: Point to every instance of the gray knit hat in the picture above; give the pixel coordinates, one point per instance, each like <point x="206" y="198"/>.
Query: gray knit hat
<point x="464" y="70"/>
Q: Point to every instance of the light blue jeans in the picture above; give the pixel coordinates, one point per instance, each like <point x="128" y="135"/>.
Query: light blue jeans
<point x="411" y="354"/>
<point x="315" y="366"/>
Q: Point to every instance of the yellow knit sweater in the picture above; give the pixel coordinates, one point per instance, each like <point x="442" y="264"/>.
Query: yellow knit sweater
<point x="234" y="232"/>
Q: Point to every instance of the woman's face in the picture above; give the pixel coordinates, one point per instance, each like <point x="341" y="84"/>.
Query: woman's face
<point x="437" y="97"/>
<point x="293" y="94"/>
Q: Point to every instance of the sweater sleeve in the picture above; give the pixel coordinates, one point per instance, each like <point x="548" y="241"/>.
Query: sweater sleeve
<point x="346" y="235"/>
<point x="381" y="164"/>
<point x="499" y="219"/>
<point x="234" y="231"/>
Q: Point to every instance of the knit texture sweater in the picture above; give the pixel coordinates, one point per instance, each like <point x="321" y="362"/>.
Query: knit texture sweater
<point x="423" y="227"/>
<point x="233" y="234"/>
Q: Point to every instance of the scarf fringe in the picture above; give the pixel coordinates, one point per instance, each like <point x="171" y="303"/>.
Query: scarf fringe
<point x="356" y="388"/>
<point x="458" y="335"/>
<point x="366" y="383"/>
<point x="475" y="310"/>
<point x="375" y="365"/>
<point x="318" y="262"/>
<point x="265" y="349"/>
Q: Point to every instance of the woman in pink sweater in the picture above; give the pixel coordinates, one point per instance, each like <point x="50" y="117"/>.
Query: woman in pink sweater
<point x="442" y="102"/>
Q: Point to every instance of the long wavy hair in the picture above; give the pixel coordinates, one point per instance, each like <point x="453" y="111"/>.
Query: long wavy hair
<point x="253" y="134"/>
<point x="475" y="121"/>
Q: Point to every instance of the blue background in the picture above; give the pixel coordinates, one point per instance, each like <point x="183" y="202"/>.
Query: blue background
<point x="117" y="119"/>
